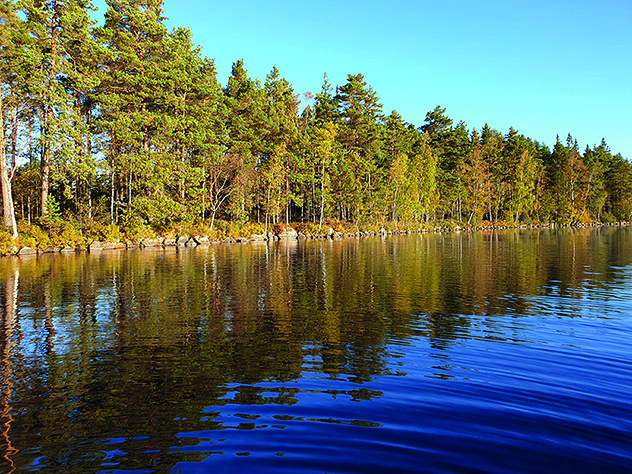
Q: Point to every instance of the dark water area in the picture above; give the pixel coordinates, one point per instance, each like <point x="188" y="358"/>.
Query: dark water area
<point x="505" y="352"/>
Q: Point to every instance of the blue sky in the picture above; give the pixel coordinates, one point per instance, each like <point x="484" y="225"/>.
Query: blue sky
<point x="543" y="67"/>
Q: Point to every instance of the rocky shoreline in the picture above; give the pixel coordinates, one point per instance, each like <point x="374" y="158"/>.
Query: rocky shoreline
<point x="287" y="234"/>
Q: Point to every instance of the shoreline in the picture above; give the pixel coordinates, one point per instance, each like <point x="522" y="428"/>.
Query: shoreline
<point x="288" y="234"/>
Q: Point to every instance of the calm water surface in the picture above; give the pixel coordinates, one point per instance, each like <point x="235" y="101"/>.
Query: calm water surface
<point x="489" y="352"/>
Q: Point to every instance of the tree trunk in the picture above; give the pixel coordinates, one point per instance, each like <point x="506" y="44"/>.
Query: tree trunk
<point x="203" y="193"/>
<point x="267" y="210"/>
<point x="112" y="195"/>
<point x="212" y="220"/>
<point x="322" y="199"/>
<point x="5" y="184"/>
<point x="393" y="213"/>
<point x="48" y="110"/>
<point x="288" y="202"/>
<point x="45" y="163"/>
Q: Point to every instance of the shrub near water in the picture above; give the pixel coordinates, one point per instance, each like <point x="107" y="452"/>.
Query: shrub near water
<point x="346" y="228"/>
<point x="309" y="229"/>
<point x="69" y="235"/>
<point x="280" y="228"/>
<point x="6" y="242"/>
<point x="252" y="228"/>
<point x="135" y="230"/>
<point x="33" y="236"/>
<point x="107" y="232"/>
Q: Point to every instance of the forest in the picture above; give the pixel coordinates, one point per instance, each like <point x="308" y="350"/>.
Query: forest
<point x="123" y="131"/>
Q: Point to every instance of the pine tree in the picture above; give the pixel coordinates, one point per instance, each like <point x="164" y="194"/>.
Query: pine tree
<point x="567" y="182"/>
<point x="326" y="104"/>
<point x="360" y="135"/>
<point x="244" y="99"/>
<point x="474" y="173"/>
<point x="280" y="145"/>
<point x="492" y="143"/>
<point x="190" y="128"/>
<point x="521" y="175"/>
<point x="45" y="65"/>
<point x="200" y="130"/>
<point x="398" y="136"/>
<point x="130" y="99"/>
<point x="83" y="55"/>
<point x="436" y="124"/>
<point x="9" y="21"/>
<point x="424" y="168"/>
<point x="452" y="146"/>
<point x="597" y="160"/>
<point x="326" y="153"/>
<point x="618" y="185"/>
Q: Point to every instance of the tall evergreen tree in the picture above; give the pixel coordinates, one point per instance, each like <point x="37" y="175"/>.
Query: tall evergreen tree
<point x="596" y="160"/>
<point x="9" y="23"/>
<point x="398" y="137"/>
<point x="360" y="135"/>
<point x="244" y="99"/>
<point x="492" y="144"/>
<point x="326" y="152"/>
<point x="280" y="167"/>
<point x="326" y="104"/>
<point x="199" y="131"/>
<point x="424" y="171"/>
<point x="475" y="178"/>
<point x="567" y="182"/>
<point x="451" y="145"/>
<point x="521" y="174"/>
<point x="47" y="64"/>
<point x="437" y="123"/>
<point x="130" y="96"/>
<point x="618" y="183"/>
<point x="77" y="171"/>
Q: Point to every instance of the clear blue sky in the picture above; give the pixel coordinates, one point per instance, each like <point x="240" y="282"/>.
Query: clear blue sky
<point x="543" y="67"/>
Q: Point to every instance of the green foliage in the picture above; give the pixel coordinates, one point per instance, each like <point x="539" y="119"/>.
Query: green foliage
<point x="34" y="235"/>
<point x="608" y="218"/>
<point x="104" y="232"/>
<point x="394" y="226"/>
<point x="52" y="221"/>
<point x="344" y="227"/>
<point x="26" y="241"/>
<point x="134" y="229"/>
<point x="309" y="229"/>
<point x="252" y="228"/>
<point x="127" y="124"/>
<point x="280" y="228"/>
<point x="437" y="123"/>
<point x="7" y="243"/>
<point x="374" y="227"/>
<point x="69" y="234"/>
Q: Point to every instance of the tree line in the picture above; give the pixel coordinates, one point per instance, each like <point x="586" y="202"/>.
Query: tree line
<point x="126" y="124"/>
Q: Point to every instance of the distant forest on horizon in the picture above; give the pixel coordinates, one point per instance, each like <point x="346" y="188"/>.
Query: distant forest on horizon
<point x="125" y="126"/>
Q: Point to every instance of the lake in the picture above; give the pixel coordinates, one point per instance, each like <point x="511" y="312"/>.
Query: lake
<point x="489" y="352"/>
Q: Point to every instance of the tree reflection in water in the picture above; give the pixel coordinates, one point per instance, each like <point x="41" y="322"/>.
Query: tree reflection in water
<point x="133" y="349"/>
